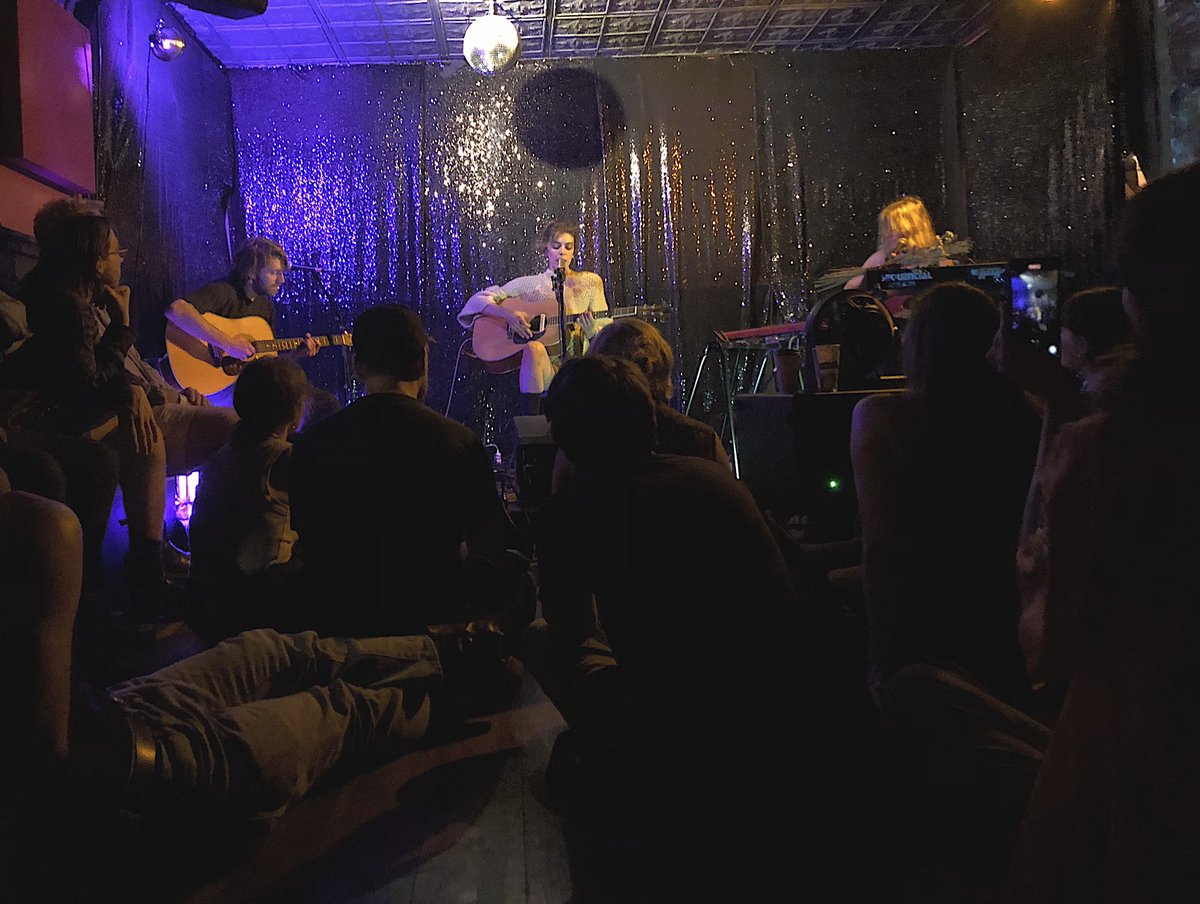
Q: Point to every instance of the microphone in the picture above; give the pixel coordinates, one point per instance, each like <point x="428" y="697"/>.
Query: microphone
<point x="309" y="269"/>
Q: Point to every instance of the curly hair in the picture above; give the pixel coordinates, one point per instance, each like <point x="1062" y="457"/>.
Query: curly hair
<point x="53" y="213"/>
<point x="641" y="344"/>
<point x="67" y="258"/>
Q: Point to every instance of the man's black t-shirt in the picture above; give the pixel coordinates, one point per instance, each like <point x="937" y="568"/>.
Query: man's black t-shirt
<point x="225" y="298"/>
<point x="383" y="494"/>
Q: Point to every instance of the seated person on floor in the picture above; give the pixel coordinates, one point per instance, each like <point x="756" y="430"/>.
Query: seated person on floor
<point x="643" y="345"/>
<point x="1109" y="578"/>
<point x="644" y="558"/>
<point x="941" y="471"/>
<point x="240" y="731"/>
<point x="671" y="645"/>
<point x="396" y="508"/>
<point x="241" y="520"/>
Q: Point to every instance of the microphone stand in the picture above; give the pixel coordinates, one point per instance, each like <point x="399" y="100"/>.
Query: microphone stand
<point x="350" y="388"/>
<point x="557" y="280"/>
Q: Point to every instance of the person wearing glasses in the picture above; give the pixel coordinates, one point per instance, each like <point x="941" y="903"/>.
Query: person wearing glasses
<point x="79" y="316"/>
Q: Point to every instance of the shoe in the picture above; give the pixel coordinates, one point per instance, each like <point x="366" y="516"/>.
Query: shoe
<point x="475" y="663"/>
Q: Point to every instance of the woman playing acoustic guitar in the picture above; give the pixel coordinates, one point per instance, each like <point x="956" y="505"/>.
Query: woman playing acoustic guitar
<point x="515" y="304"/>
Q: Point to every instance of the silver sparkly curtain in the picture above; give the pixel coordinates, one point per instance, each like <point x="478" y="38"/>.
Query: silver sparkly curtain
<point x="717" y="189"/>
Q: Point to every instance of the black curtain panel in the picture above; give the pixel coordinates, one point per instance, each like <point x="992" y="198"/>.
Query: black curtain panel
<point x="1039" y="138"/>
<point x="842" y="135"/>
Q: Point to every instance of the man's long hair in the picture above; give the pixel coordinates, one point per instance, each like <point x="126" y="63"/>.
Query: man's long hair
<point x="54" y="213"/>
<point x="255" y="254"/>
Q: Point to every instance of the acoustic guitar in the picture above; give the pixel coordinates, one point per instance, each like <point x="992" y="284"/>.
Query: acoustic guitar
<point x="197" y="364"/>
<point x="493" y="340"/>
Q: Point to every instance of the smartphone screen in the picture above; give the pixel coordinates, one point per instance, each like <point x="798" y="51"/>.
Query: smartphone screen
<point x="1033" y="314"/>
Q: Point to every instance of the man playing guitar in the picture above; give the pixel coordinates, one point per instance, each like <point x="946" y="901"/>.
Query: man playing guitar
<point x="259" y="270"/>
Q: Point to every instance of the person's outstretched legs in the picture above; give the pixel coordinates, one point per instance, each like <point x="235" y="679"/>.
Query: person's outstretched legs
<point x="260" y="718"/>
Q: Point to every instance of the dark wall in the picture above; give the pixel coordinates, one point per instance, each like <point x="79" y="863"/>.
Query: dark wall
<point x="165" y="161"/>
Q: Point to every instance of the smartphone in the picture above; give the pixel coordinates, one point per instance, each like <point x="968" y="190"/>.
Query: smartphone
<point x="1033" y="309"/>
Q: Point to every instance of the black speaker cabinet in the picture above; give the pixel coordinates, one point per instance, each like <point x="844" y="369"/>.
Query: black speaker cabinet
<point x="229" y="9"/>
<point x="535" y="454"/>
<point x="794" y="454"/>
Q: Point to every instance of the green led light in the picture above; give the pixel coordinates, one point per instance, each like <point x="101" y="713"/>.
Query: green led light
<point x="834" y="484"/>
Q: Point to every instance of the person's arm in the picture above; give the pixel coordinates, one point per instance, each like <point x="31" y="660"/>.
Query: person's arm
<point x="484" y="527"/>
<point x="487" y="303"/>
<point x="884" y="504"/>
<point x="277" y="477"/>
<point x="590" y="324"/>
<point x="183" y="314"/>
<point x="878" y="259"/>
<point x="1062" y="523"/>
<point x="308" y="349"/>
<point x="73" y="369"/>
<point x="41" y="557"/>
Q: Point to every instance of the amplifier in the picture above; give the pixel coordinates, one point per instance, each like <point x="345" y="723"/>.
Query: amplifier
<point x="795" y="458"/>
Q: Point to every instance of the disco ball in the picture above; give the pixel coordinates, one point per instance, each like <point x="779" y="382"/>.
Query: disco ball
<point x="166" y="42"/>
<point x="491" y="44"/>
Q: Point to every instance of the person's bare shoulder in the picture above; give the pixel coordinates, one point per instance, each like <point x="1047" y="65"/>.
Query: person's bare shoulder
<point x="883" y="408"/>
<point x="881" y="420"/>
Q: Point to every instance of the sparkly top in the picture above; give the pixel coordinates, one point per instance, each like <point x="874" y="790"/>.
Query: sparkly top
<point x="582" y="289"/>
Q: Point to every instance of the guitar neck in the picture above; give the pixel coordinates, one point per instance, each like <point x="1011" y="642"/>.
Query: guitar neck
<point x="610" y="314"/>
<point x="286" y="345"/>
